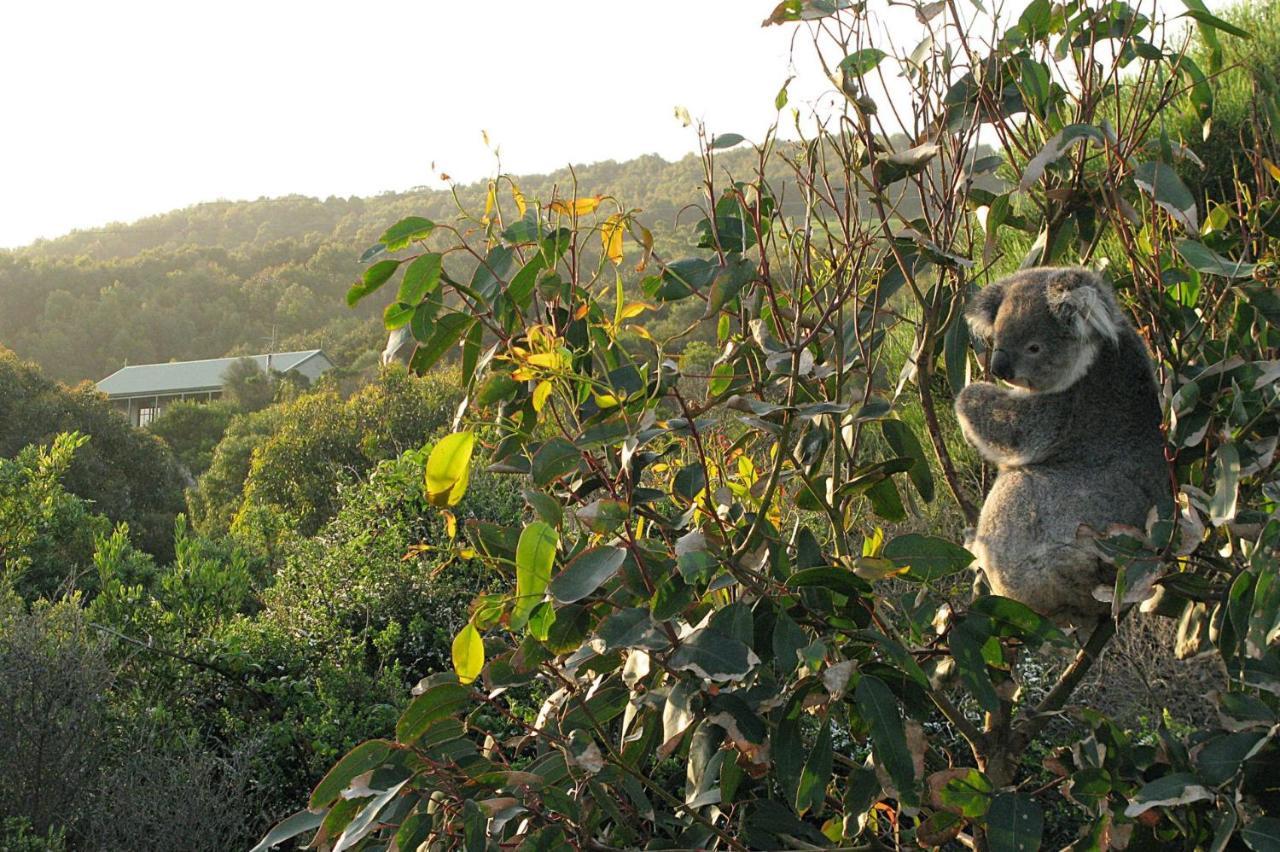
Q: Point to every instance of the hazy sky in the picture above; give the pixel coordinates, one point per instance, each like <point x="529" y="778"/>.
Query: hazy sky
<point x="119" y="110"/>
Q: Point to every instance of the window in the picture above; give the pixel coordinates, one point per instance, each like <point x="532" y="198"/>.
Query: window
<point x="146" y="415"/>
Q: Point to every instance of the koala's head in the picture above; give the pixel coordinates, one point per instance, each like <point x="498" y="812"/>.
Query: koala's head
<point x="1045" y="325"/>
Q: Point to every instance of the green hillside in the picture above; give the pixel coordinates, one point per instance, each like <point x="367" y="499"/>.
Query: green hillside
<point x="219" y="278"/>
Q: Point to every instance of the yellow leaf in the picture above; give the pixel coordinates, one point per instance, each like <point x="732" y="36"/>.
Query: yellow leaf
<point x="549" y="360"/>
<point x="448" y="467"/>
<point x="576" y="207"/>
<point x="646" y="242"/>
<point x="468" y="653"/>
<point x="490" y="200"/>
<point x="540" y="394"/>
<point x="633" y="309"/>
<point x="606" y="400"/>
<point x="450" y="524"/>
<point x="582" y="311"/>
<point x="518" y="197"/>
<point x="641" y="331"/>
<point x="611" y="237"/>
<point x="1273" y="168"/>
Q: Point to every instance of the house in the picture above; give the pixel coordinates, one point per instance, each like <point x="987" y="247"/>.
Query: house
<point x="143" y="391"/>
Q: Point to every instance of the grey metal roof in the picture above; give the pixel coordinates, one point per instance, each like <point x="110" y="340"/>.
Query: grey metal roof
<point x="189" y="376"/>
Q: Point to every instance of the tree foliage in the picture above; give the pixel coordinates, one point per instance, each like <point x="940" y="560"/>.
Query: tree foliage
<point x="742" y="642"/>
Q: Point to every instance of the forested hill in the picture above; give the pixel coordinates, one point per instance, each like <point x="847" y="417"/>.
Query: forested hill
<point x="218" y="278"/>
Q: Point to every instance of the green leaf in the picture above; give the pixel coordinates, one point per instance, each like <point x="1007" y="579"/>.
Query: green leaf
<point x="1220" y="759"/>
<point x="449" y="329"/>
<point x="603" y="516"/>
<point x="969" y="796"/>
<point x="1226" y="482"/>
<point x="902" y="438"/>
<point x="437" y="702"/>
<point x="879" y="708"/>
<point x="1262" y="834"/>
<point x="890" y="168"/>
<point x="1161" y="182"/>
<point x="840" y="580"/>
<point x="1204" y="259"/>
<point x="965" y="644"/>
<point x="585" y="572"/>
<point x="714" y="656"/>
<point x="728" y="282"/>
<point x="554" y="459"/>
<point x="1014" y="823"/>
<point x="929" y="558"/>
<point x="397" y="315"/>
<point x="406" y="231"/>
<point x="721" y="378"/>
<point x="886" y="501"/>
<point x="288" y="827"/>
<point x="374" y="277"/>
<point x="421" y="277"/>
<point x="726" y="140"/>
<point x="861" y="61"/>
<point x="361" y="759"/>
<point x="468" y="653"/>
<point x="448" y="467"/>
<point x="535" y="555"/>
<point x="1013" y="619"/>
<point x="816" y="774"/>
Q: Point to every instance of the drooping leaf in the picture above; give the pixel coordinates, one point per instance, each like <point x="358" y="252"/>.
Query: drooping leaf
<point x="902" y="438"/>
<point x="611" y="237"/>
<point x="289" y="827"/>
<point x="816" y="773"/>
<point x="1226" y="483"/>
<point x="448" y="467"/>
<point x="1205" y="259"/>
<point x="468" y="653"/>
<point x="1160" y="181"/>
<point x="879" y="708"/>
<point x="535" y="554"/>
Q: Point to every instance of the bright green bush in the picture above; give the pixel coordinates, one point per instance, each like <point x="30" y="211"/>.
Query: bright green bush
<point x="193" y="431"/>
<point x="125" y="473"/>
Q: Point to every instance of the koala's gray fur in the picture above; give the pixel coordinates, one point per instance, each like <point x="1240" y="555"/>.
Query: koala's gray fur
<point x="1076" y="435"/>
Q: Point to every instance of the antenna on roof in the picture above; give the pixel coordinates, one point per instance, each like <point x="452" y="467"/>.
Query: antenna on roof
<point x="271" y="343"/>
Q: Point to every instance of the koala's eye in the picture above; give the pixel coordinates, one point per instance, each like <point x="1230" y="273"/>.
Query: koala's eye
<point x="1033" y="348"/>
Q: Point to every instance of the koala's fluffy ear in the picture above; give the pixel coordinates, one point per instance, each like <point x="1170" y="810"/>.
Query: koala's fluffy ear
<point x="1087" y="302"/>
<point x="982" y="310"/>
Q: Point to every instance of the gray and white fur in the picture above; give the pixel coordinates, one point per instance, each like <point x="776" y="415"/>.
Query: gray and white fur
<point x="1074" y="431"/>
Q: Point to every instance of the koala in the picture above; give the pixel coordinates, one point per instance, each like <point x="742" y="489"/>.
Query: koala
<point x="1074" y="431"/>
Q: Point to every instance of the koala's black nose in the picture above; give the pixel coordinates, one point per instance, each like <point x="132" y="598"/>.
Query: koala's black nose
<point x="1002" y="365"/>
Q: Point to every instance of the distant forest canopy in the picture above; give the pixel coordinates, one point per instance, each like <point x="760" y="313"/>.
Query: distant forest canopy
<point x="227" y="277"/>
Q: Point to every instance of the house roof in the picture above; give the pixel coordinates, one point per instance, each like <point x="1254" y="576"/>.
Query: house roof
<point x="189" y="376"/>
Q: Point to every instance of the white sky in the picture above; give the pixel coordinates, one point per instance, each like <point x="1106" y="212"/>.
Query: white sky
<point x="125" y="109"/>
